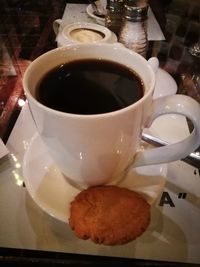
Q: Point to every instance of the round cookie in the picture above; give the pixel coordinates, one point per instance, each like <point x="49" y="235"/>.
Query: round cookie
<point x="109" y="215"/>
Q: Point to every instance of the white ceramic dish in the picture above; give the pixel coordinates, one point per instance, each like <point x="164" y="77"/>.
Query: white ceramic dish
<point x="165" y="84"/>
<point x="53" y="194"/>
<point x="71" y="33"/>
<point x="90" y="12"/>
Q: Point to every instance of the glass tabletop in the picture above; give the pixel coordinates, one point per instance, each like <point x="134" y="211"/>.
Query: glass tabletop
<point x="27" y="233"/>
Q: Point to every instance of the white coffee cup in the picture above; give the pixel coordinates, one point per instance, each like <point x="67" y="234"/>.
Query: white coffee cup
<point x="99" y="149"/>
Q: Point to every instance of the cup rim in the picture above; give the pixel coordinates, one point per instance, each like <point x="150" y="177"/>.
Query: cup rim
<point x="86" y="116"/>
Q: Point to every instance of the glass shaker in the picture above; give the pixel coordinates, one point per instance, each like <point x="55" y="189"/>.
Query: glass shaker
<point x="113" y="17"/>
<point x="133" y="33"/>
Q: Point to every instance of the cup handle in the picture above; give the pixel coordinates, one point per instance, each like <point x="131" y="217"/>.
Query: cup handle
<point x="176" y="104"/>
<point x="57" y="26"/>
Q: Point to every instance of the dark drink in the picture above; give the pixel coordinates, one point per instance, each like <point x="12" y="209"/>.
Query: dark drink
<point x="89" y="86"/>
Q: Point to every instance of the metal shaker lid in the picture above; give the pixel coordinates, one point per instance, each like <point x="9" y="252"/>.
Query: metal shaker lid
<point x="133" y="12"/>
<point x="116" y="5"/>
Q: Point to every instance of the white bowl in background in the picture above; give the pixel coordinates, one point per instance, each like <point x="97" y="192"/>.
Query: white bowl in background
<point x="82" y="32"/>
<point x="90" y="11"/>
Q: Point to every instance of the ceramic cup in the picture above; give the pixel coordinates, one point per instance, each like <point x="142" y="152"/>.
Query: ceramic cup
<point x="99" y="149"/>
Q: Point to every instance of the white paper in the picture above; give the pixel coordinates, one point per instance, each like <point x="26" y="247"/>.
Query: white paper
<point x="153" y="28"/>
<point x="3" y="149"/>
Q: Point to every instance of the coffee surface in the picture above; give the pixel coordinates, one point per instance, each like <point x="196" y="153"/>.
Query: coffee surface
<point x="89" y="86"/>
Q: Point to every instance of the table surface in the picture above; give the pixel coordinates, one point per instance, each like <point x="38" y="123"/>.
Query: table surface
<point x="29" y="234"/>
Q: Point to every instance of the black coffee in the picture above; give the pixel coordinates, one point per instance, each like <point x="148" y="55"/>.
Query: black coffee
<point x="89" y="87"/>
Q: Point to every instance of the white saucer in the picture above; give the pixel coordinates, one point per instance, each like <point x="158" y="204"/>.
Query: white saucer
<point x="165" y="84"/>
<point x="161" y="127"/>
<point x="90" y="12"/>
<point x="53" y="194"/>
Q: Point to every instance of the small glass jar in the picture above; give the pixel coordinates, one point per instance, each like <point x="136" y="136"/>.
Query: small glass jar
<point x="113" y="19"/>
<point x="133" y="33"/>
